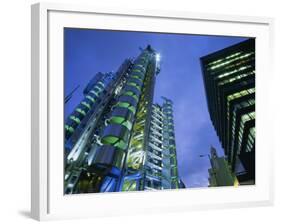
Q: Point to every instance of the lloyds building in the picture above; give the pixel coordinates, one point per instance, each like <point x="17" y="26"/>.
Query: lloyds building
<point x="117" y="138"/>
<point x="229" y="79"/>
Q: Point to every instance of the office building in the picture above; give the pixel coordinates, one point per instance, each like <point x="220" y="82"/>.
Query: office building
<point x="159" y="161"/>
<point x="116" y="139"/>
<point x="220" y="172"/>
<point x="229" y="79"/>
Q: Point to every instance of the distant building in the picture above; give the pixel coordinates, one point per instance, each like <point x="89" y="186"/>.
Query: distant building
<point x="229" y="79"/>
<point x="117" y="139"/>
<point x="220" y="173"/>
<point x="181" y="184"/>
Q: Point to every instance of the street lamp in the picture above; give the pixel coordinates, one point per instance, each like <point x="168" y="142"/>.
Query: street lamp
<point x="204" y="155"/>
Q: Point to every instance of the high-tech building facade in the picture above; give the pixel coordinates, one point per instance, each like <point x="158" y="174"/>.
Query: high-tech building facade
<point x="116" y="138"/>
<point x="157" y="168"/>
<point x="220" y="173"/>
<point x="161" y="162"/>
<point x="229" y="79"/>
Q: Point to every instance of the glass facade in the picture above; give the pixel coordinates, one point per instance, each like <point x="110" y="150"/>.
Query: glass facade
<point x="116" y="139"/>
<point x="161" y="163"/>
<point x="229" y="79"/>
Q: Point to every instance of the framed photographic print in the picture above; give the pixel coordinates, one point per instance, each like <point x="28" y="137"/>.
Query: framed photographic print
<point x="148" y="111"/>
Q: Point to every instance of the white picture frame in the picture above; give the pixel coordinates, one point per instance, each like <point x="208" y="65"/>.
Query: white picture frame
<point x="47" y="199"/>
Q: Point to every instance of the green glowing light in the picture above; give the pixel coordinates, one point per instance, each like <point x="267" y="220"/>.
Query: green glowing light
<point x="115" y="141"/>
<point x="80" y="111"/>
<point x="130" y="93"/>
<point x="126" y="105"/>
<point x="69" y="128"/>
<point x="86" y="105"/>
<point x="122" y="121"/>
<point x="90" y="98"/>
<point x="76" y="119"/>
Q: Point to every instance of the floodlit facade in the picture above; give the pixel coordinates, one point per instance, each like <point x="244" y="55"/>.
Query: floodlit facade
<point x="229" y="79"/>
<point x="117" y="139"/>
<point x="220" y="173"/>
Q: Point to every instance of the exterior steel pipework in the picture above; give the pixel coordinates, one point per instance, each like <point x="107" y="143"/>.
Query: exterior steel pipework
<point x="109" y="148"/>
<point x="78" y="146"/>
<point x="118" y="132"/>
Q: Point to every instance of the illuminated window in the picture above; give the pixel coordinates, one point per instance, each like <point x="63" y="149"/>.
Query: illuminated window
<point x="240" y="94"/>
<point x="235" y="78"/>
<point x="226" y="62"/>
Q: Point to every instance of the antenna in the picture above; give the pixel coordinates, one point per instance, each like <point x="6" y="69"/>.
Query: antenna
<point x="69" y="96"/>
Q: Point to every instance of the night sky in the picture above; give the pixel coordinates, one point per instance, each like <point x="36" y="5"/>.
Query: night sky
<point x="90" y="51"/>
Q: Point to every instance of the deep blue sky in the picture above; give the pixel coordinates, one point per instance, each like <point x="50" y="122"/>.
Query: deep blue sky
<point x="90" y="51"/>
